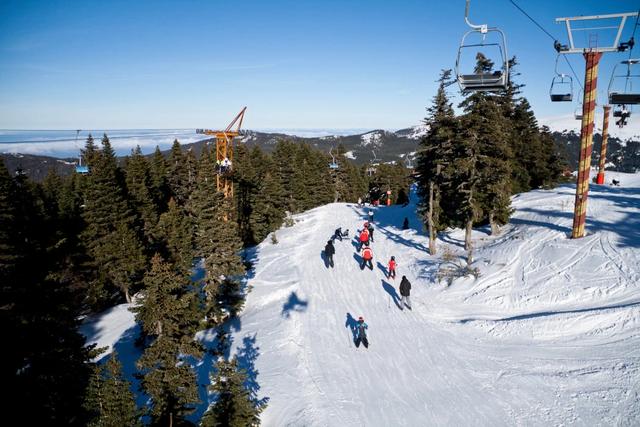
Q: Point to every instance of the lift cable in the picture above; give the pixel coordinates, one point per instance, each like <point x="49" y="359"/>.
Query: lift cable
<point x="551" y="37"/>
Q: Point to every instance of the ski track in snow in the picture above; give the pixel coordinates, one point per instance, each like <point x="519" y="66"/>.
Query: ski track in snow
<point x="549" y="334"/>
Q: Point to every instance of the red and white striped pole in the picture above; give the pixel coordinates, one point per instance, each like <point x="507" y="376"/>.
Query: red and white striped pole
<point x="586" y="142"/>
<point x="603" y="150"/>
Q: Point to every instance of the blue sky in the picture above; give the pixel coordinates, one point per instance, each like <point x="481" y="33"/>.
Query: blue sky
<point x="295" y="64"/>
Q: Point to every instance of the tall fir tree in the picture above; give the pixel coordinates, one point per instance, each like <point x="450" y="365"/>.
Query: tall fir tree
<point x="177" y="174"/>
<point x="234" y="406"/>
<point x="140" y="190"/>
<point x="111" y="235"/>
<point x="175" y="229"/>
<point x="109" y="399"/>
<point x="169" y="313"/>
<point x="46" y="361"/>
<point x="159" y="183"/>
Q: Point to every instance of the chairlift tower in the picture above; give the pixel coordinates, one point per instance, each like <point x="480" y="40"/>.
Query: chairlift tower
<point x="592" y="55"/>
<point x="603" y="148"/>
<point x="224" y="150"/>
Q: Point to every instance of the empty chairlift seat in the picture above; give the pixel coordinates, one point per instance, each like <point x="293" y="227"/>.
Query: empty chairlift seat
<point x="487" y="82"/>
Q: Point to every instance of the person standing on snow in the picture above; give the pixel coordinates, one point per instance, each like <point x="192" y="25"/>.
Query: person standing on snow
<point x="405" y="291"/>
<point x="367" y="258"/>
<point x="405" y="224"/>
<point x="359" y="202"/>
<point x="370" y="215"/>
<point x="392" y="268"/>
<point x="337" y="234"/>
<point x="370" y="228"/>
<point x="364" y="238"/>
<point x="361" y="333"/>
<point x="329" y="251"/>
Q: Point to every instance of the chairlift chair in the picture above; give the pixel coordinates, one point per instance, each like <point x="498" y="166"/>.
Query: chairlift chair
<point x="561" y="86"/>
<point x="80" y="168"/>
<point x="333" y="164"/>
<point x="625" y="94"/>
<point x="493" y="81"/>
<point x="578" y="113"/>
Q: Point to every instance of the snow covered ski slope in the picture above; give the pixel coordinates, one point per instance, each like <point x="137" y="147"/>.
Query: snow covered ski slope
<point x="547" y="335"/>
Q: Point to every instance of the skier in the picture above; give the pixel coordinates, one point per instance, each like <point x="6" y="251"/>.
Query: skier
<point x="359" y="202"/>
<point x="329" y="251"/>
<point x="405" y="291"/>
<point x="370" y="228"/>
<point x="370" y="215"/>
<point x="367" y="257"/>
<point x="364" y="238"/>
<point x="392" y="268"/>
<point x="337" y="235"/>
<point x="361" y="333"/>
<point x="405" y="224"/>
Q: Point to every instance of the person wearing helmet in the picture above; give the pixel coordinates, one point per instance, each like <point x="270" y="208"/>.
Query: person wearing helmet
<point x="364" y="238"/>
<point x="361" y="333"/>
<point x="392" y="268"/>
<point x="367" y="257"/>
<point x="329" y="251"/>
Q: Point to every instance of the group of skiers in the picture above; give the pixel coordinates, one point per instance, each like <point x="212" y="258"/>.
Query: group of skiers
<point x="364" y="239"/>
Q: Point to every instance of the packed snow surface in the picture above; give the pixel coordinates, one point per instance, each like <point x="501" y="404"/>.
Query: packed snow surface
<point x="548" y="334"/>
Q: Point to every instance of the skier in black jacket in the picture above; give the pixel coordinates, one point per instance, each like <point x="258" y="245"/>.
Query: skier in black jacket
<point x="405" y="291"/>
<point x="329" y="251"/>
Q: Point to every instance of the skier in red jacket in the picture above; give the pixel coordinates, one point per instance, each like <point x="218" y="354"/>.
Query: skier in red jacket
<point x="392" y="268"/>
<point x="367" y="257"/>
<point x="364" y="238"/>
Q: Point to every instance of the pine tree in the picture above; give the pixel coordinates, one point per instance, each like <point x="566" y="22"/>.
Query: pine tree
<point x="109" y="399"/>
<point x="234" y="406"/>
<point x="48" y="371"/>
<point x="90" y="152"/>
<point x="177" y="174"/>
<point x="158" y="173"/>
<point x="111" y="235"/>
<point x="175" y="229"/>
<point x="169" y="313"/>
<point x="140" y="190"/>
<point x="485" y="126"/>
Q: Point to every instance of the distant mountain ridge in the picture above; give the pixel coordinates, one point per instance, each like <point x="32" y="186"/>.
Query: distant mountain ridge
<point x="371" y="146"/>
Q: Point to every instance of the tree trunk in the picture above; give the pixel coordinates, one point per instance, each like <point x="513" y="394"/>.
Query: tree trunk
<point x="495" y="228"/>
<point x="127" y="296"/>
<point x="159" y="328"/>
<point x="468" y="245"/>
<point x="432" y="233"/>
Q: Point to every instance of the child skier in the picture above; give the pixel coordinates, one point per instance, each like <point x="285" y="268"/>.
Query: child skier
<point x="361" y="333"/>
<point x="329" y="251"/>
<point x="367" y="257"/>
<point x="392" y="268"/>
<point x="364" y="238"/>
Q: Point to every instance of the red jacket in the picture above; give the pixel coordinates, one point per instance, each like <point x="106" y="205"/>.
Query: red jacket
<point x="364" y="236"/>
<point x="392" y="265"/>
<point x="367" y="253"/>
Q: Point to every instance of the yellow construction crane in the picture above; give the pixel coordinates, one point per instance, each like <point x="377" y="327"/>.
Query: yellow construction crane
<point x="224" y="153"/>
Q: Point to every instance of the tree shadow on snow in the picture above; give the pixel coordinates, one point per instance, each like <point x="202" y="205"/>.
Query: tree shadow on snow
<point x="392" y="292"/>
<point x="293" y="304"/>
<point x="247" y="356"/>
